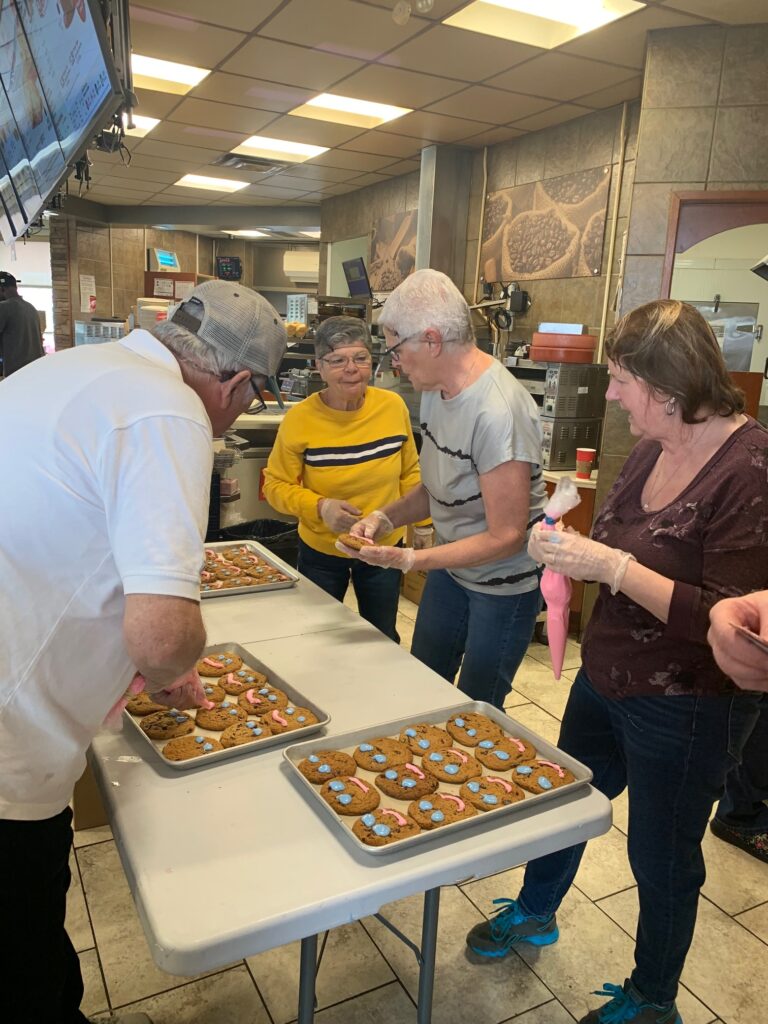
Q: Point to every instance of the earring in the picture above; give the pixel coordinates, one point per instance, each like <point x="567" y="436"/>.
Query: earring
<point x="669" y="408"/>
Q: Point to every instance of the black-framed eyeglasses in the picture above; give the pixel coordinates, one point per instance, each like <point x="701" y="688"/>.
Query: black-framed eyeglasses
<point x="259" y="403"/>
<point x="392" y="352"/>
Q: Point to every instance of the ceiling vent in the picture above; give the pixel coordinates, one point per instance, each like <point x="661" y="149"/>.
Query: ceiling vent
<point x="238" y="162"/>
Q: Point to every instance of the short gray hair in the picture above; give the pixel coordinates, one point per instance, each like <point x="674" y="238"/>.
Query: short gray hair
<point x="186" y="345"/>
<point x="428" y="298"/>
<point x="338" y="331"/>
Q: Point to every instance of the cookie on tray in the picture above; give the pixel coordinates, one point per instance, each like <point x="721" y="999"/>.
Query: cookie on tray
<point x="499" y="755"/>
<point x="490" y="792"/>
<point x="228" y="572"/>
<point x="213" y="692"/>
<point x="451" y="765"/>
<point x="167" y="725"/>
<point x="220" y="716"/>
<point x="235" y="683"/>
<point x="350" y="795"/>
<point x="406" y="782"/>
<point x="219" y="664"/>
<point x="422" y="737"/>
<point x="323" y="765"/>
<point x="469" y="727"/>
<point x="539" y="776"/>
<point x="440" y="809"/>
<point x="379" y="753"/>
<point x="213" y="585"/>
<point x="244" y="732"/>
<point x="263" y="699"/>
<point x="385" y="826"/>
<point x="235" y="551"/>
<point x="288" y="719"/>
<point x="142" y="704"/>
<point x="184" y="748"/>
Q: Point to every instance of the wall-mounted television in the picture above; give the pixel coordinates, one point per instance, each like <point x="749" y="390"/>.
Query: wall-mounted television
<point x="162" y="259"/>
<point x="58" y="87"/>
<point x="357" y="278"/>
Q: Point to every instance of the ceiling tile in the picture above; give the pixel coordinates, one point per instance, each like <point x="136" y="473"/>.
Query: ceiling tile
<point x="385" y="143"/>
<point x="346" y="160"/>
<point x="182" y="156"/>
<point x="624" y="39"/>
<point x="340" y="26"/>
<point x="316" y="133"/>
<point x="156" y="34"/>
<point x="287" y="180"/>
<point x="368" y="179"/>
<point x="293" y="65"/>
<point x="249" y="92"/>
<point x="164" y="164"/>
<point x="242" y="15"/>
<point x="314" y="175"/>
<point x="555" y="115"/>
<point x="440" y="10"/>
<point x="403" y="88"/>
<point x="481" y="55"/>
<point x="197" y="136"/>
<point x="560" y="76"/>
<point x="404" y="167"/>
<point x="436" y="127"/>
<point x="735" y="12"/>
<point x="629" y="90"/>
<point x="223" y="116"/>
<point x="492" y="137"/>
<point x="494" y="106"/>
<point x="155" y="104"/>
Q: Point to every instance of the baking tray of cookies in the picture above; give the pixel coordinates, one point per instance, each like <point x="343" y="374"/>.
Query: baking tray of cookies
<point x="466" y="764"/>
<point x="241" y="698"/>
<point x="229" y="568"/>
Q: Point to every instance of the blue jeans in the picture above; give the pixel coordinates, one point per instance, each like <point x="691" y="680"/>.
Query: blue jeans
<point x="490" y="631"/>
<point x="377" y="590"/>
<point x="742" y="805"/>
<point x="672" y="754"/>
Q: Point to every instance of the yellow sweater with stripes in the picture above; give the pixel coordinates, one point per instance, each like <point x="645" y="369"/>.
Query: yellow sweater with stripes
<point x="366" y="457"/>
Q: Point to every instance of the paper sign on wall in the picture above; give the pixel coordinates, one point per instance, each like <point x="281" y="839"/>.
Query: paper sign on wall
<point x="183" y="289"/>
<point x="163" y="286"/>
<point x="87" y="293"/>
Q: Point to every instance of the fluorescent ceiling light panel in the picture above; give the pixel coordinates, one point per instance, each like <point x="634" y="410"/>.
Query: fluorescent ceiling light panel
<point x="248" y="234"/>
<point x="142" y="125"/>
<point x="165" y="75"/>
<point x="346" y="110"/>
<point x="212" y="184"/>
<point x="279" y="149"/>
<point x="310" y="234"/>
<point x="544" y="23"/>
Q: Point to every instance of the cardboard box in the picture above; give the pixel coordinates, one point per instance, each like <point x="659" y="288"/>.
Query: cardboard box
<point x="413" y="585"/>
<point x="87" y="807"/>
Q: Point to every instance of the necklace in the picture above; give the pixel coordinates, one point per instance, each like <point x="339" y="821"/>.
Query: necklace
<point x="660" y="484"/>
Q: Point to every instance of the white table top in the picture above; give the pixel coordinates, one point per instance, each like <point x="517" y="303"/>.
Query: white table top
<point x="246" y="833"/>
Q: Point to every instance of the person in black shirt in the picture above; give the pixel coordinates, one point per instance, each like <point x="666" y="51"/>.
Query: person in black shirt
<point x="21" y="339"/>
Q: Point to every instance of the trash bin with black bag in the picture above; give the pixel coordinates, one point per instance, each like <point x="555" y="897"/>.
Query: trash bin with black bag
<point x="282" y="539"/>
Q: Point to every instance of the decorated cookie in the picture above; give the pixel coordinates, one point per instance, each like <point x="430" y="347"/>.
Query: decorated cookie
<point x="204" y="588"/>
<point x="231" y="554"/>
<point x="260" y="700"/>
<point x="406" y="782"/>
<point x="439" y="809"/>
<point x="244" y="732"/>
<point x="213" y="692"/>
<point x="421" y="738"/>
<point x="451" y="765"/>
<point x="229" y="572"/>
<point x="350" y="795"/>
<point x="166" y="725"/>
<point x="142" y="704"/>
<point x="380" y="753"/>
<point x="323" y="765"/>
<point x="184" y="748"/>
<point x="219" y="664"/>
<point x="220" y="716"/>
<point x="379" y="828"/>
<point x="289" y="718"/>
<point x="501" y="754"/>
<point x="470" y="727"/>
<point x="490" y="792"/>
<point x="235" y="683"/>
<point x="541" y="776"/>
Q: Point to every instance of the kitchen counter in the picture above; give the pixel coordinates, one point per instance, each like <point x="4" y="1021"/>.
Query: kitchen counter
<point x="552" y="476"/>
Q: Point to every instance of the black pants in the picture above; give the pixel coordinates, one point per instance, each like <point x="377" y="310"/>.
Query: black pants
<point x="40" y="980"/>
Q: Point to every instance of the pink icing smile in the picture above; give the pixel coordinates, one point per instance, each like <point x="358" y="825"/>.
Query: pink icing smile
<point x="279" y="718"/>
<point x="518" y="743"/>
<point x="251" y="697"/>
<point x="458" y="753"/>
<point x="212" y="663"/>
<point x="459" y="802"/>
<point x="501" y="782"/>
<point x="398" y="817"/>
<point x="557" y="768"/>
<point x="360" y="783"/>
<point x="206" y="576"/>
<point x="416" y="771"/>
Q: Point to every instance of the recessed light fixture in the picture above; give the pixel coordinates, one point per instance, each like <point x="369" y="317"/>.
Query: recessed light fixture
<point x="212" y="184"/>
<point x="279" y="149"/>
<point x="543" y="23"/>
<point x="347" y="110"/>
<point x="248" y="234"/>
<point x="141" y="125"/>
<point x="310" y="234"/>
<point x="165" y="75"/>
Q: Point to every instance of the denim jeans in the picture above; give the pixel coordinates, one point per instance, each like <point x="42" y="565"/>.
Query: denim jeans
<point x="34" y="866"/>
<point x="672" y="754"/>
<point x="490" y="631"/>
<point x="742" y="805"/>
<point x="377" y="590"/>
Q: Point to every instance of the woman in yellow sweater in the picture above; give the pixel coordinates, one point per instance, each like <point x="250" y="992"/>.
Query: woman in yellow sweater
<point x="339" y="455"/>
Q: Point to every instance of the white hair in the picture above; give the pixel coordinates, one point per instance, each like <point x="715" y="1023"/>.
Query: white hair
<point x="428" y="298"/>
<point x="186" y="345"/>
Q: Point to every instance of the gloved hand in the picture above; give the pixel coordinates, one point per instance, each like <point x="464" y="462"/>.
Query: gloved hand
<point x="185" y="692"/>
<point x="375" y="524"/>
<point x="579" y="557"/>
<point x="388" y="557"/>
<point x="337" y="515"/>
<point x="114" y="719"/>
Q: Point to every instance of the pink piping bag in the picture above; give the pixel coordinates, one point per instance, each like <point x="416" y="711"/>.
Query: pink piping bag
<point x="556" y="588"/>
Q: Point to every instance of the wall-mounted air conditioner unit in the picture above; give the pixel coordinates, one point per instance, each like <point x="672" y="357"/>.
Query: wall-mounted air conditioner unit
<point x="301" y="265"/>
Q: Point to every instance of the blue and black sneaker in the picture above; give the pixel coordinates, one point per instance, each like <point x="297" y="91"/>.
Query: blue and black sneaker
<point x="627" y="1004"/>
<point x="508" y="927"/>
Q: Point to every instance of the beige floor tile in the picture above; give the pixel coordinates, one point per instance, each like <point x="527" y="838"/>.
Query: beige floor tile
<point x="129" y="970"/>
<point x="388" y="1005"/>
<point x="351" y="965"/>
<point x="405" y="627"/>
<point x="94" y="996"/>
<point x="515" y="700"/>
<point x="756" y="920"/>
<point x="87" y="836"/>
<point x="735" y="881"/>
<point x="536" y="682"/>
<point x="535" y="718"/>
<point x="604" y="868"/>
<point x="505" y="988"/>
<point x="621" y="812"/>
<point x="550" y="1013"/>
<point x="77" y="924"/>
<point x="408" y="608"/>
<point x="484" y="891"/>
<point x="571" y="660"/>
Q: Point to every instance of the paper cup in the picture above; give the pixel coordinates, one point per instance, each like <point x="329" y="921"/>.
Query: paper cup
<point x="585" y="461"/>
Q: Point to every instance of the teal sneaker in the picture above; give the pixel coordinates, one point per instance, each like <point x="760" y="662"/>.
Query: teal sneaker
<point x="508" y="927"/>
<point x="627" y="1004"/>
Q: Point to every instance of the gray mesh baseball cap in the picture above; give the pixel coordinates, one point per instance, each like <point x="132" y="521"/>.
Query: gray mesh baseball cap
<point x="237" y="321"/>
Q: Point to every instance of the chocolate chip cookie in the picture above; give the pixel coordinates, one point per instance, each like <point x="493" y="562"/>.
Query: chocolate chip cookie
<point x="214" y="693"/>
<point x="382" y="752"/>
<point x="422" y="737"/>
<point x="323" y="765"/>
<point x="439" y="809"/>
<point x="244" y="732"/>
<point x="379" y="828"/>
<point x="451" y="765"/>
<point x="142" y="704"/>
<point x="541" y="776"/>
<point x="235" y="683"/>
<point x="350" y="795"/>
<point x="406" y="782"/>
<point x="186" y="747"/>
<point x="289" y="718"/>
<point x="219" y="664"/>
<point x="166" y="725"/>
<point x="490" y="792"/>
<point x="262" y="700"/>
<point x="499" y="755"/>
<point x="469" y="728"/>
<point x="220" y="716"/>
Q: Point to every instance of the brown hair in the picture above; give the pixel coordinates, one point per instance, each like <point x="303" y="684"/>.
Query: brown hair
<point x="670" y="346"/>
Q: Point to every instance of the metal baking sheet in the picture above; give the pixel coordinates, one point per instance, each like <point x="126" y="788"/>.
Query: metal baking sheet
<point x="256" y="549"/>
<point x="216" y="756"/>
<point x="347" y="742"/>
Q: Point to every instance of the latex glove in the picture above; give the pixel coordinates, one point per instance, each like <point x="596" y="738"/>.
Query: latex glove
<point x="739" y="657"/>
<point x="387" y="557"/>
<point x="376" y="524"/>
<point x="579" y="557"/>
<point x="185" y="692"/>
<point x="337" y="515"/>
<point x="114" y="719"/>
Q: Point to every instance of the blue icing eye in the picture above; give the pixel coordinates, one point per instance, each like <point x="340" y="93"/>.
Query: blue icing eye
<point x="524" y="769"/>
<point x="379" y="758"/>
<point x="501" y="754"/>
<point x="233" y="711"/>
<point x="368" y="820"/>
<point x="263" y="690"/>
<point x="365" y="748"/>
<point x="227" y="661"/>
<point x="324" y="768"/>
<point x="288" y="711"/>
<point x="313" y="758"/>
<point x="471" y="732"/>
<point x="199" y="739"/>
<point x="451" y="769"/>
<point x="410" y="732"/>
<point x="301" y="718"/>
<point x="257" y="731"/>
<point x="485" y="744"/>
<point x="390" y="773"/>
<point x="207" y="746"/>
<point x="435" y="757"/>
<point x="459" y="722"/>
<point x="336" y="786"/>
<point x="424" y="744"/>
<point x="344" y="798"/>
<point x="225" y="704"/>
<point x="437" y="816"/>
<point x="489" y="798"/>
<point x="473" y="787"/>
<point x="408" y="783"/>
<point x="425" y="805"/>
<point x="381" y="830"/>
<point x="544" y="782"/>
<point x="273" y="698"/>
<point x="242" y="673"/>
<point x="208" y="689"/>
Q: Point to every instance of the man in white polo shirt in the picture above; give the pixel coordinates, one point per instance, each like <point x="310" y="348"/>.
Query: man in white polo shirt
<point x="106" y="466"/>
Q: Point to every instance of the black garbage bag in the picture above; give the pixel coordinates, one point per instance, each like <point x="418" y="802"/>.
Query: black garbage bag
<point x="282" y="539"/>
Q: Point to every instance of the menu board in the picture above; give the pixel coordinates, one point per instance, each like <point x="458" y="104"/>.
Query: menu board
<point x="11" y="217"/>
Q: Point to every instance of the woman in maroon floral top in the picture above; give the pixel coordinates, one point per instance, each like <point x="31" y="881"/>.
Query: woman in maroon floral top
<point x="685" y="524"/>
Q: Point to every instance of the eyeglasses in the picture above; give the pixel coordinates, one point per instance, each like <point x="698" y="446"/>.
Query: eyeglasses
<point x="259" y="404"/>
<point x="361" y="359"/>
<point x="392" y="352"/>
